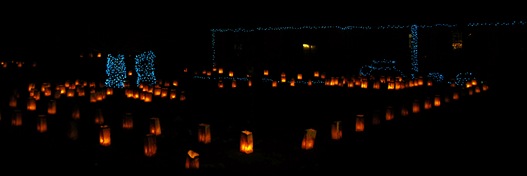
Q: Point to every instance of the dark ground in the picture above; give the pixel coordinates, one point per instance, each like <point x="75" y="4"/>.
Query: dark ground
<point x="472" y="135"/>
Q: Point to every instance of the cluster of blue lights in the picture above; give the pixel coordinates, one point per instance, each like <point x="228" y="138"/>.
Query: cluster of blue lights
<point x="116" y="71"/>
<point x="436" y="77"/>
<point x="144" y="67"/>
<point x="413" y="49"/>
<point x="213" y="49"/>
<point x="380" y="66"/>
<point x="462" y="78"/>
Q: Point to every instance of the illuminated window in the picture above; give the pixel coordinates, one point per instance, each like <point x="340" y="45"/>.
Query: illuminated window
<point x="457" y="45"/>
<point x="457" y="41"/>
<point x="308" y="48"/>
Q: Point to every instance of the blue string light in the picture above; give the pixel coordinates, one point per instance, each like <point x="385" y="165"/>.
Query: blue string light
<point x="497" y="24"/>
<point x="381" y="66"/>
<point x="414" y="51"/>
<point x="436" y="77"/>
<point x="462" y="78"/>
<point x="144" y="67"/>
<point x="213" y="49"/>
<point x="116" y="71"/>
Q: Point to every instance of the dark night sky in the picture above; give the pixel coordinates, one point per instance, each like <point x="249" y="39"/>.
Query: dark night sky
<point x="84" y="30"/>
<point x="183" y="28"/>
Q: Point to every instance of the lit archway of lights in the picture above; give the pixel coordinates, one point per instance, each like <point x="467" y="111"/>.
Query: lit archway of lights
<point x="414" y="48"/>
